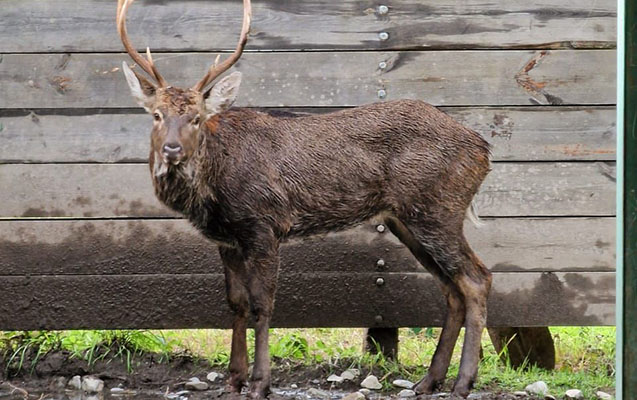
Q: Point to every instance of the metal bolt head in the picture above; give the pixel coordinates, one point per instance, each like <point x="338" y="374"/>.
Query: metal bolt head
<point x="380" y="281"/>
<point x="383" y="36"/>
<point x="380" y="228"/>
<point x="378" y="319"/>
<point x="382" y="93"/>
<point x="380" y="263"/>
<point x="383" y="9"/>
<point x="382" y="65"/>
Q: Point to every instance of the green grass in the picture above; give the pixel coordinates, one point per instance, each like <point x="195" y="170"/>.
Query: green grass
<point x="585" y="355"/>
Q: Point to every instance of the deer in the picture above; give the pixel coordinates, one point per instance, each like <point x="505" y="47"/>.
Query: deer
<point x="249" y="180"/>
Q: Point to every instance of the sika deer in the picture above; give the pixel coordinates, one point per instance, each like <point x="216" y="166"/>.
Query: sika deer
<point x="249" y="180"/>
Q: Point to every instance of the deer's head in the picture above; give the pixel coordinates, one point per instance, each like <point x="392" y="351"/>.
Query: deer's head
<point x="178" y="113"/>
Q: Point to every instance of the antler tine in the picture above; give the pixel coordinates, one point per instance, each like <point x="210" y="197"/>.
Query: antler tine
<point x="146" y="65"/>
<point x="216" y="70"/>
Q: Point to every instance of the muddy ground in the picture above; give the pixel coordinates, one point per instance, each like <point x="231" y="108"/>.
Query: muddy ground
<point x="156" y="378"/>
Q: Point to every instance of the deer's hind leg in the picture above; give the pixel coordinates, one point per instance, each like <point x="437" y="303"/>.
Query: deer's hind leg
<point x="465" y="283"/>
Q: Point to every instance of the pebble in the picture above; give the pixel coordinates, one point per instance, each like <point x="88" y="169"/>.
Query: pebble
<point x="479" y="395"/>
<point x="350" y="374"/>
<point x="573" y="394"/>
<point x="520" y="393"/>
<point x="91" y="384"/>
<point x="354" y="396"/>
<point x="538" y="388"/>
<point x="318" y="393"/>
<point x="196" y="384"/>
<point x="603" y="395"/>
<point x="371" y="382"/>
<point x="335" y="378"/>
<point x="365" y="392"/>
<point x="316" y="381"/>
<point x="406" y="393"/>
<point x="75" y="383"/>
<point x="402" y="383"/>
<point x="549" y="397"/>
<point x="212" y="376"/>
<point x="294" y="386"/>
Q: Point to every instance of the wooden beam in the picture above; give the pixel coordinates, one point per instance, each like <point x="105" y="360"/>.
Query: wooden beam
<point x="516" y="134"/>
<point x="138" y="247"/>
<point x="46" y="25"/>
<point x="125" y="190"/>
<point x="356" y="300"/>
<point x="628" y="384"/>
<point x="328" y="79"/>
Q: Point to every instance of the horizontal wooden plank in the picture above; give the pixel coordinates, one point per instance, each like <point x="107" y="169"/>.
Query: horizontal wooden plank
<point x="52" y="26"/>
<point x="125" y="190"/>
<point x="146" y="247"/>
<point x="530" y="133"/>
<point x="198" y="301"/>
<point x="327" y="79"/>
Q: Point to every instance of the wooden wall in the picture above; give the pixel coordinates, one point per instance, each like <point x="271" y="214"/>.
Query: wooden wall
<point x="84" y="243"/>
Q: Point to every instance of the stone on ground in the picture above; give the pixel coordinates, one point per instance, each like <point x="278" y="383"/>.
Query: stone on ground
<point x="75" y="383"/>
<point x="350" y="374"/>
<point x="573" y="394"/>
<point x="196" y="384"/>
<point x="603" y="395"/>
<point x="212" y="376"/>
<point x="335" y="378"/>
<point x="318" y="394"/>
<point x="403" y="383"/>
<point x="365" y="392"/>
<point x="371" y="382"/>
<point x="294" y="386"/>
<point x="406" y="393"/>
<point x="91" y="384"/>
<point x="354" y="396"/>
<point x="520" y="393"/>
<point x="549" y="397"/>
<point x="538" y="388"/>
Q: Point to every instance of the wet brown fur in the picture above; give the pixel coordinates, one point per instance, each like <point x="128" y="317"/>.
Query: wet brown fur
<point x="252" y="180"/>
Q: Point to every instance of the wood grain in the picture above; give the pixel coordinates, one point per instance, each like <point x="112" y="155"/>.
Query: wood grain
<point x="125" y="190"/>
<point x="190" y="25"/>
<point x="530" y="133"/>
<point x="140" y="247"/>
<point x="327" y="79"/>
<point x="198" y="301"/>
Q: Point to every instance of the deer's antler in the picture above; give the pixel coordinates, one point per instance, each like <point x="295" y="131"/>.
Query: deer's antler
<point x="218" y="69"/>
<point x="146" y="64"/>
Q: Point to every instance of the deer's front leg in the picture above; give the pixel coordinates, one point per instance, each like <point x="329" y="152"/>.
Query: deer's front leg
<point x="263" y="266"/>
<point x="238" y="298"/>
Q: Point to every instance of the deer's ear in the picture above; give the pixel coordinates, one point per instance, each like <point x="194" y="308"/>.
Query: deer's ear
<point x="223" y="94"/>
<point x="141" y="88"/>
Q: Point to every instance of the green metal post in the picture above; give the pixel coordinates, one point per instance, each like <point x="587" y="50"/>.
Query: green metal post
<point x="628" y="119"/>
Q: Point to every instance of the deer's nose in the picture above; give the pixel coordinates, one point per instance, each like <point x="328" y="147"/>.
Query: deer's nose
<point x="171" y="150"/>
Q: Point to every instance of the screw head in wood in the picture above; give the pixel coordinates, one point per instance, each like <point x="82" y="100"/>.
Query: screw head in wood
<point x="382" y="93"/>
<point x="380" y="228"/>
<point x="380" y="281"/>
<point x="380" y="263"/>
<point x="378" y="319"/>
<point x="383" y="36"/>
<point x="383" y="9"/>
<point x="382" y="65"/>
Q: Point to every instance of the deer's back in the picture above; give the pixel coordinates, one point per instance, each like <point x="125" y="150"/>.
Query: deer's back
<point x="331" y="171"/>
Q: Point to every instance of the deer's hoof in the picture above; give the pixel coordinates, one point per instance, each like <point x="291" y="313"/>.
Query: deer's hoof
<point x="427" y="385"/>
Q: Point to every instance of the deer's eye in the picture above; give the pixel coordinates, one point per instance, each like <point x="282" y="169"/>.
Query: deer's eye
<point x="196" y="120"/>
<point x="157" y="116"/>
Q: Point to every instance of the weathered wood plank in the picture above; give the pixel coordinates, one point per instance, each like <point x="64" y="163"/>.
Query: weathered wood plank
<point x="531" y="133"/>
<point x="198" y="301"/>
<point x="141" y="248"/>
<point x="52" y="26"/>
<point x="125" y="190"/>
<point x="327" y="79"/>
